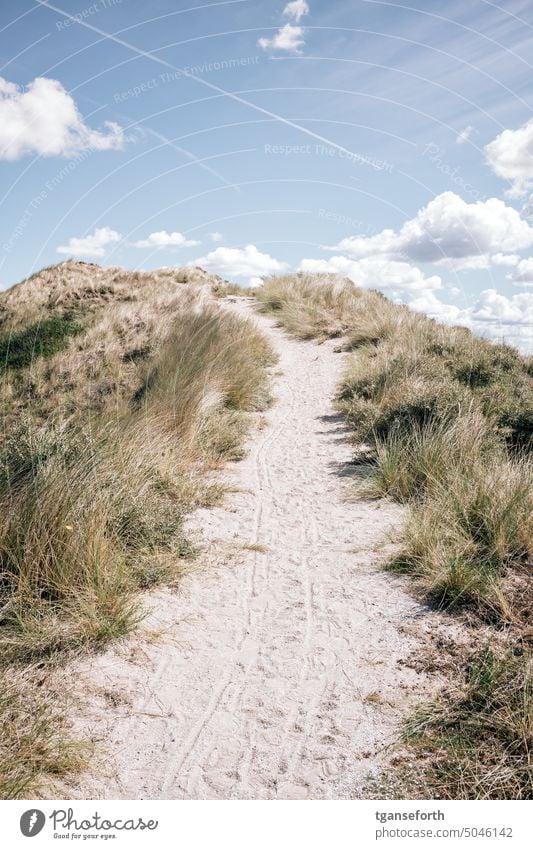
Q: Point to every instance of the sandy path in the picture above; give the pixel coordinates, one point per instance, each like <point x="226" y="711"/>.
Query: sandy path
<point x="276" y="673"/>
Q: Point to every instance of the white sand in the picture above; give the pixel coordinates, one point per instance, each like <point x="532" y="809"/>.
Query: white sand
<point x="275" y="673"/>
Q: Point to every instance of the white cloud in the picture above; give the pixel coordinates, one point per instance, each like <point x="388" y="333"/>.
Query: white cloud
<point x="480" y="263"/>
<point x="448" y="228"/>
<point x="288" y="38"/>
<point x="491" y="307"/>
<point x="464" y="135"/>
<point x="93" y="245"/>
<point x="43" y="119"/>
<point x="469" y="263"/>
<point x="523" y="273"/>
<point x="240" y="262"/>
<point x="510" y="156"/>
<point x="216" y="236"/>
<point x="394" y="278"/>
<point x="508" y="260"/>
<point x="495" y="308"/>
<point x="164" y="239"/>
<point x="527" y="209"/>
<point x="296" y="10"/>
<point x="494" y="315"/>
<point x="500" y="317"/>
<point x="429" y="304"/>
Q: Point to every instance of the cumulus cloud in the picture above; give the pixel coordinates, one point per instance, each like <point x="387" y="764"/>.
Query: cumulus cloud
<point x="492" y="305"/>
<point x="164" y="239"/>
<point x="296" y="10"/>
<point x="93" y="245"/>
<point x="523" y="273"/>
<point x="394" y="278"/>
<point x="245" y="262"/>
<point x="464" y="135"/>
<point x="43" y="119"/>
<point x="429" y="304"/>
<point x="216" y="236"/>
<point x="500" y="317"/>
<point x="288" y="38"/>
<point x="448" y="228"/>
<point x="510" y="156"/>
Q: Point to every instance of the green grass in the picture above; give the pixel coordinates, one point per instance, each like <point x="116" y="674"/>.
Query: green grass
<point x="86" y="512"/>
<point x="475" y="528"/>
<point x="477" y="740"/>
<point x="41" y="339"/>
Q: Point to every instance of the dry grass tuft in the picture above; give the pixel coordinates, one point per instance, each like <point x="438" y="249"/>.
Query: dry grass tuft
<point x="35" y="744"/>
<point x="256" y="546"/>
<point x="477" y="740"/>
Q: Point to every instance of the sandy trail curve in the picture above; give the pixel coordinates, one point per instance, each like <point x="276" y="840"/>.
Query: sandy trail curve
<point x="278" y="668"/>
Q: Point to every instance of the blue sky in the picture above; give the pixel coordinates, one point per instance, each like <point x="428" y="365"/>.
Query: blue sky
<point x="390" y="142"/>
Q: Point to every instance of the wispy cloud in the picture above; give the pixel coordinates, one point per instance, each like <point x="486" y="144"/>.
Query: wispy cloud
<point x="464" y="135"/>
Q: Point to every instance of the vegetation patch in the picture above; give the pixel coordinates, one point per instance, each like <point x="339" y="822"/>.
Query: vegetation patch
<point x="105" y="451"/>
<point x="41" y="339"/>
<point x="36" y="746"/>
<point x="478" y="738"/>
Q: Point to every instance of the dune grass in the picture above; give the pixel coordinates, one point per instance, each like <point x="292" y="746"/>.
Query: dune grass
<point x="448" y="417"/>
<point x="446" y="422"/>
<point x="42" y="339"/>
<point x="321" y="312"/>
<point x="36" y="745"/>
<point x="92" y="500"/>
<point x="479" y="735"/>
